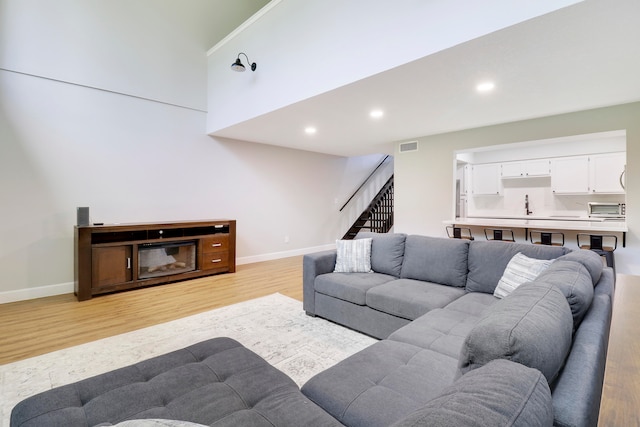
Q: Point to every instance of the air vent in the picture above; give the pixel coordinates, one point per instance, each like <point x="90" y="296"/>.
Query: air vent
<point x="406" y="147"/>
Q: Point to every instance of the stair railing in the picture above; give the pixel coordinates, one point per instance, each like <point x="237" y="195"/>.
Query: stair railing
<point x="365" y="181"/>
<point x="378" y="216"/>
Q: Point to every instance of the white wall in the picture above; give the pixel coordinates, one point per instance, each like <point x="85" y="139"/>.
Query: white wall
<point x="424" y="179"/>
<point x="305" y="48"/>
<point x="131" y="159"/>
<point x="148" y="48"/>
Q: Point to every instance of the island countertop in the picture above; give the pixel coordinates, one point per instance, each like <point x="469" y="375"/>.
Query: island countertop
<point x="549" y="223"/>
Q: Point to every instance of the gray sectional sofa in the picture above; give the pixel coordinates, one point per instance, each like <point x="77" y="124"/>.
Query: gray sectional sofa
<point x="431" y="302"/>
<point x="450" y="352"/>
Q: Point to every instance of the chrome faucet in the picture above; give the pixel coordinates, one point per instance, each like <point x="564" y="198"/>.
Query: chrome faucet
<point x="526" y="205"/>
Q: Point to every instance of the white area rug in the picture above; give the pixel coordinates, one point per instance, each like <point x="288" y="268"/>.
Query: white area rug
<point x="275" y="327"/>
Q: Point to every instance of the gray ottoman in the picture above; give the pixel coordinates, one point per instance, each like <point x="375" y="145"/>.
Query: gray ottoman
<point x="216" y="381"/>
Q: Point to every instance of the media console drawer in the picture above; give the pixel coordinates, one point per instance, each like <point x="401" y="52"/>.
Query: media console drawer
<point x="217" y="243"/>
<point x="215" y="260"/>
<point x="110" y="258"/>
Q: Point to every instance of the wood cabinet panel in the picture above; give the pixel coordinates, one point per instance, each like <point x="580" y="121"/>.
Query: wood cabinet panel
<point x="111" y="265"/>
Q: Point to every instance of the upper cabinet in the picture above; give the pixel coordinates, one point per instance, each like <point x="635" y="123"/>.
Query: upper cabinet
<point x="607" y="173"/>
<point x="570" y="175"/>
<point x="525" y="169"/>
<point x="589" y="174"/>
<point x="485" y="179"/>
<point x="593" y="174"/>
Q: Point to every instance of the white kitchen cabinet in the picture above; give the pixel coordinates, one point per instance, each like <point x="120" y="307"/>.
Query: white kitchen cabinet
<point x="512" y="170"/>
<point x="527" y="168"/>
<point x="607" y="173"/>
<point x="570" y="175"/>
<point x="485" y="179"/>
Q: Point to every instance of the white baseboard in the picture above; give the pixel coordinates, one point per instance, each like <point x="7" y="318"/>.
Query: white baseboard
<point x="33" y="293"/>
<point x="284" y="254"/>
<point x="67" y="288"/>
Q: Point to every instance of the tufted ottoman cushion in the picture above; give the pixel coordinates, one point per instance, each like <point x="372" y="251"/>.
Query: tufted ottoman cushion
<point x="216" y="381"/>
<point x="381" y="384"/>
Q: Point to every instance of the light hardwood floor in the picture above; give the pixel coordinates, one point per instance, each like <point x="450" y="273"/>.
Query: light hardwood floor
<point x="34" y="327"/>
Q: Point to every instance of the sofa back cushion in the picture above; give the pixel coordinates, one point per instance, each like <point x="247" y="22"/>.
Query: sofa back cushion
<point x="387" y="251"/>
<point x="532" y="325"/>
<point x="574" y="281"/>
<point x="501" y="393"/>
<point x="487" y="261"/>
<point x="591" y="261"/>
<point x="436" y="259"/>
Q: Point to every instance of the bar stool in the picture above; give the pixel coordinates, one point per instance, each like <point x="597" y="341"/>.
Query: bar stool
<point x="502" y="234"/>
<point x="542" y="237"/>
<point x="459" y="233"/>
<point x="602" y="244"/>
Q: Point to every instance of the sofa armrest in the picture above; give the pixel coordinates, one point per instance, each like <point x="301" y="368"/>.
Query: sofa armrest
<point x="314" y="265"/>
<point x="578" y="390"/>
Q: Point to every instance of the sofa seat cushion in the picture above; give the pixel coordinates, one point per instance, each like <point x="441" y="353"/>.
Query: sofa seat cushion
<point x="213" y="382"/>
<point x="473" y="303"/>
<point x="411" y="299"/>
<point x="350" y="287"/>
<point x="532" y="325"/>
<point x="436" y="259"/>
<point x="488" y="260"/>
<point x="439" y="330"/>
<point x="381" y="384"/>
<point x="501" y="393"/>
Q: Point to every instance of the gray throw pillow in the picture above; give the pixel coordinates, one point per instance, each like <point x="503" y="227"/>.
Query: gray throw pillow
<point x="532" y="325"/>
<point x="501" y="393"/>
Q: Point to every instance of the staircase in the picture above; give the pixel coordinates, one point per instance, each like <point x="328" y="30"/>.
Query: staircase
<point x="378" y="217"/>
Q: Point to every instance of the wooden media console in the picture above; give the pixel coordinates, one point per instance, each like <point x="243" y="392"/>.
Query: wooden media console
<point x="117" y="257"/>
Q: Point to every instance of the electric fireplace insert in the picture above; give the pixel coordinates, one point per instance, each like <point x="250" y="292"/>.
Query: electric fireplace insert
<point x="164" y="259"/>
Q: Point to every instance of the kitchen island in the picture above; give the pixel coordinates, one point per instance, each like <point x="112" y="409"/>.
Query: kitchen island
<point x="577" y="224"/>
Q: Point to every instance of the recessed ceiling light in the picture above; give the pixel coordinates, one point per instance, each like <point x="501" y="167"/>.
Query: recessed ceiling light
<point x="310" y="130"/>
<point x="485" y="87"/>
<point x="376" y="114"/>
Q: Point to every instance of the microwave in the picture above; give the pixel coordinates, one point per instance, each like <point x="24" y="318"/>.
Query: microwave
<point x="606" y="210"/>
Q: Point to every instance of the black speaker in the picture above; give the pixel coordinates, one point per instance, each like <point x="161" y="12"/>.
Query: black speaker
<point x="83" y="216"/>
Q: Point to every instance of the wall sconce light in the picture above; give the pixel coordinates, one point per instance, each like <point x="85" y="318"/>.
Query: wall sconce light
<point x="237" y="66"/>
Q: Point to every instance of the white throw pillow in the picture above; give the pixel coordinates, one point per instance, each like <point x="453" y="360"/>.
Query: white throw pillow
<point x="521" y="269"/>
<point x="353" y="256"/>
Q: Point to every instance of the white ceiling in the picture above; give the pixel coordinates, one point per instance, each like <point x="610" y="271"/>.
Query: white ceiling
<point x="580" y="57"/>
